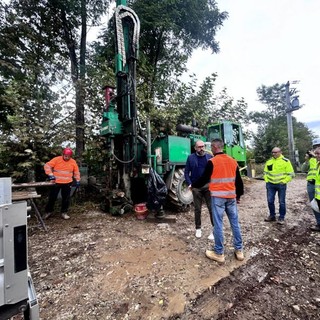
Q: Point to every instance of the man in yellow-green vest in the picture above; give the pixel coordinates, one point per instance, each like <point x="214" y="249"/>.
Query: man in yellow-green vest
<point x="310" y="166"/>
<point x="278" y="171"/>
<point x="317" y="189"/>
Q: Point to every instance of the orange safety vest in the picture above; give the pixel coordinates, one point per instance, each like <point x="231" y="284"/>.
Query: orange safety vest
<point x="63" y="171"/>
<point x="222" y="183"/>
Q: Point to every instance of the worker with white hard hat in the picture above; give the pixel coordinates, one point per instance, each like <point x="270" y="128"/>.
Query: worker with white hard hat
<point x="310" y="167"/>
<point x="316" y="143"/>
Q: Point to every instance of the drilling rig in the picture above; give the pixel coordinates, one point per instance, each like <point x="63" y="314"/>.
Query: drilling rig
<point x="131" y="157"/>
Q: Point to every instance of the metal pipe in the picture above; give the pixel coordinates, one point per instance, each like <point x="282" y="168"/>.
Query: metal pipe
<point x="290" y="129"/>
<point x="149" y="142"/>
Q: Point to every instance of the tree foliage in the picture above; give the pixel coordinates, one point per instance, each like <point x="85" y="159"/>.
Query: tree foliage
<point x="51" y="81"/>
<point x="31" y="66"/>
<point x="272" y="125"/>
<point x="170" y="31"/>
<point x="200" y="103"/>
<point x="38" y="44"/>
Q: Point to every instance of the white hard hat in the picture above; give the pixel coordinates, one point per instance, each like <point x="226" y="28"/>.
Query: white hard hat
<point x="316" y="142"/>
<point x="314" y="205"/>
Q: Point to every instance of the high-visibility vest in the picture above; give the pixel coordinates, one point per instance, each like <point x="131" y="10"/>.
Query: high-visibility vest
<point x="312" y="169"/>
<point x="222" y="183"/>
<point x="63" y="171"/>
<point x="317" y="182"/>
<point x="278" y="170"/>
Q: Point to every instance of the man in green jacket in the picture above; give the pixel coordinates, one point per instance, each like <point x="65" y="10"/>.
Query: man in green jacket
<point x="310" y="166"/>
<point x="278" y="171"/>
<point x="317" y="188"/>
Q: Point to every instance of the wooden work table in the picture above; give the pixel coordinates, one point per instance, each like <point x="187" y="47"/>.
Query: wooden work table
<point x="24" y="195"/>
<point x="30" y="195"/>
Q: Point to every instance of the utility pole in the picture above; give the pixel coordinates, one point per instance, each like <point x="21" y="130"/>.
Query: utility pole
<point x="291" y="106"/>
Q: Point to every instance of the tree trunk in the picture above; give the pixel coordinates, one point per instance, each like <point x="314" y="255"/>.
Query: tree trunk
<point x="81" y="85"/>
<point x="78" y="72"/>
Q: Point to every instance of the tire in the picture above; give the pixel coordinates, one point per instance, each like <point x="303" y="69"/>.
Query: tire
<point x="179" y="194"/>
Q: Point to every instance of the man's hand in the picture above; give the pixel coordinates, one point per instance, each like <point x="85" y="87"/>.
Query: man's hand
<point x="52" y="178"/>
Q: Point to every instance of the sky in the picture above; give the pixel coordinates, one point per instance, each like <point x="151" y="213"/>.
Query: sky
<point x="264" y="43"/>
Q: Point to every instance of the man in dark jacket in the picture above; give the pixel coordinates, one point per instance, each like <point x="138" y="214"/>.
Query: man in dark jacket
<point x="195" y="165"/>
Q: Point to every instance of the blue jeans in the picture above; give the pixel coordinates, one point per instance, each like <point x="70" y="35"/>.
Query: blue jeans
<point x="272" y="189"/>
<point x="219" y="206"/>
<point x="310" y="190"/>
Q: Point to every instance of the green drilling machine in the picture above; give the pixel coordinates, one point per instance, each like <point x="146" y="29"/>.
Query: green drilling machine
<point x="130" y="153"/>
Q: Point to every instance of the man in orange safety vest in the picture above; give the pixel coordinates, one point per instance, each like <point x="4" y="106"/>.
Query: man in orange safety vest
<point x="61" y="171"/>
<point x="226" y="187"/>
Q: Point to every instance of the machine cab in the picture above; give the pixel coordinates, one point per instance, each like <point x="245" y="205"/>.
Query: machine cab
<point x="231" y="134"/>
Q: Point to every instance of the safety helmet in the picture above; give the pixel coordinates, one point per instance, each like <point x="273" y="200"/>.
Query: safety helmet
<point x="316" y="142"/>
<point x="314" y="205"/>
<point x="67" y="152"/>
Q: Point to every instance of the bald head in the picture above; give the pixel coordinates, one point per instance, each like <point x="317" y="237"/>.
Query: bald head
<point x="276" y="152"/>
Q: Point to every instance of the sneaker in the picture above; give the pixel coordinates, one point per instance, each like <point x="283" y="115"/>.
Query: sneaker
<point x="198" y="233"/>
<point x="65" y="216"/>
<point x="280" y="221"/>
<point x="46" y="215"/>
<point x="214" y="256"/>
<point x="315" y="228"/>
<point x="239" y="255"/>
<point x="270" y="219"/>
<point x="211" y="236"/>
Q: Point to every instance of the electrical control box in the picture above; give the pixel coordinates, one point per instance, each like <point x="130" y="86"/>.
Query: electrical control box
<point x="17" y="293"/>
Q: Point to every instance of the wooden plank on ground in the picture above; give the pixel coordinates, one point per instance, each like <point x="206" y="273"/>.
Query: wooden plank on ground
<point x="166" y="219"/>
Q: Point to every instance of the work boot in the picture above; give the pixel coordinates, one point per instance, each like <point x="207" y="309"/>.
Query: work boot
<point x="159" y="214"/>
<point x="198" y="233"/>
<point x="46" y="215"/>
<point x="239" y="255"/>
<point x="270" y="219"/>
<point x="315" y="228"/>
<point x="65" y="216"/>
<point x="214" y="256"/>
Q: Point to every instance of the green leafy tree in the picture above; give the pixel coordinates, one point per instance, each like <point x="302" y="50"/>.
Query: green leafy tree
<point x="41" y="50"/>
<point x="228" y="109"/>
<point x="170" y="31"/>
<point x="200" y="103"/>
<point x="30" y="67"/>
<point x="272" y="125"/>
<point x="71" y="21"/>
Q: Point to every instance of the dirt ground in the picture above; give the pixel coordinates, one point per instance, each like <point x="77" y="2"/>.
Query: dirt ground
<point x="98" y="266"/>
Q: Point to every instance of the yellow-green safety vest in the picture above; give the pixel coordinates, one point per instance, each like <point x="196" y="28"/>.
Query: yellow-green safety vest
<point x="278" y="170"/>
<point x="317" y="183"/>
<point x="312" y="169"/>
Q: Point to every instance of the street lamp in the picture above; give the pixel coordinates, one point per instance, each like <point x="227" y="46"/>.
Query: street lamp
<point x="291" y="106"/>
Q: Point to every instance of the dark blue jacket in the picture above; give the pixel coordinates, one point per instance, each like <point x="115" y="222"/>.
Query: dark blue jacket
<point x="192" y="172"/>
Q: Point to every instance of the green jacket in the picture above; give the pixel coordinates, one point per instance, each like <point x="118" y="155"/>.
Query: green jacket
<point x="278" y="170"/>
<point x="311" y="176"/>
<point x="317" y="184"/>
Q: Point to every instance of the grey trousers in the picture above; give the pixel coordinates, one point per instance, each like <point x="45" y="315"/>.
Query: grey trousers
<point x="198" y="195"/>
